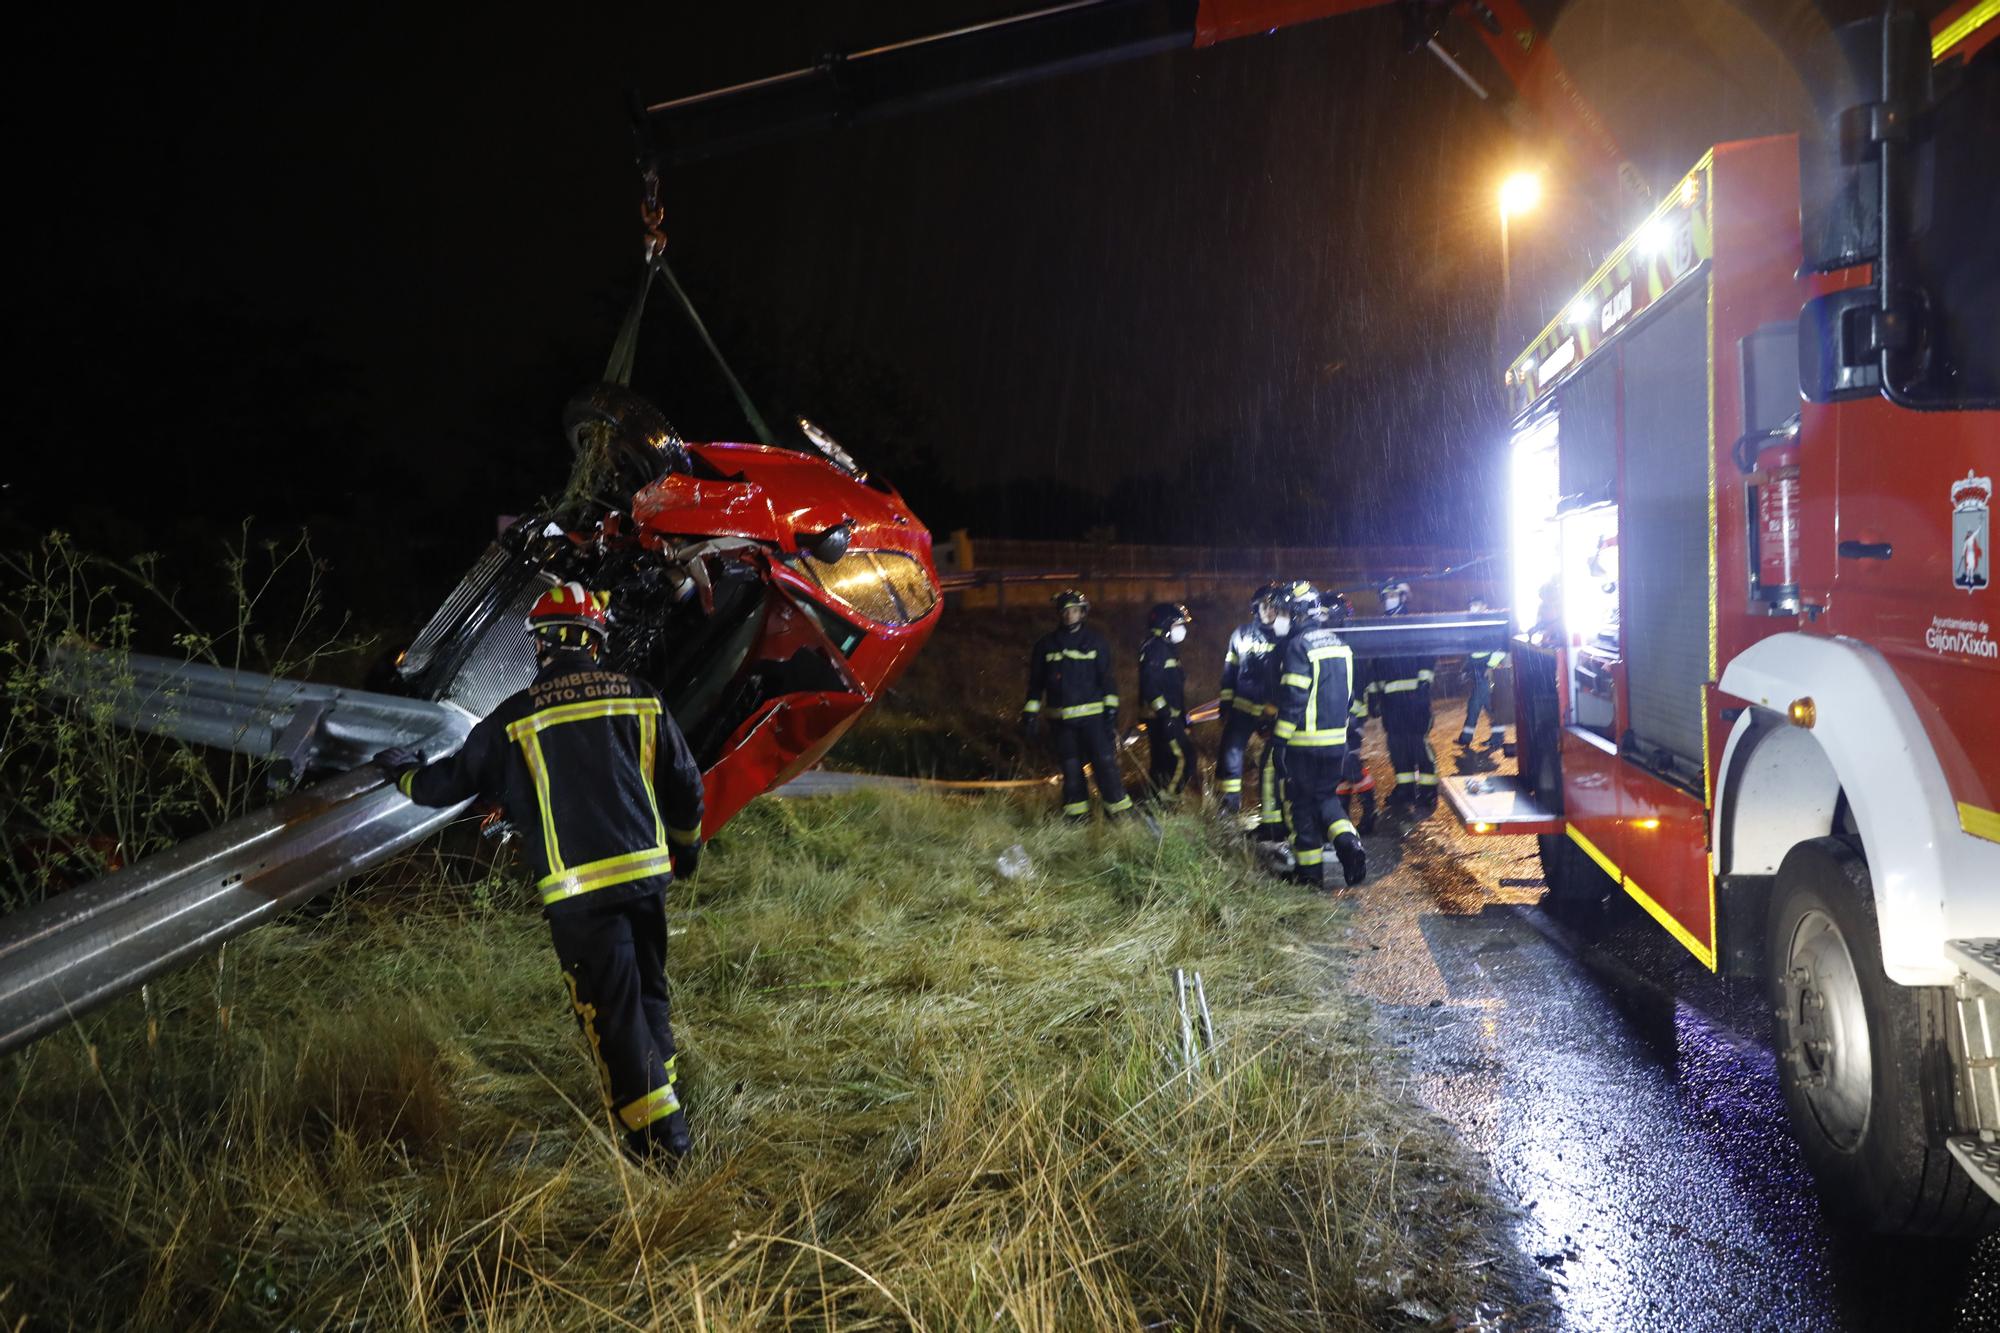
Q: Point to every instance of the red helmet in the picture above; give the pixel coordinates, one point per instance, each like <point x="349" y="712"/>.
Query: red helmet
<point x="566" y="607"/>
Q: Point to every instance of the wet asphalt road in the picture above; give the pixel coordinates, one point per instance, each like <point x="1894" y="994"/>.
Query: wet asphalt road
<point x="1627" y="1104"/>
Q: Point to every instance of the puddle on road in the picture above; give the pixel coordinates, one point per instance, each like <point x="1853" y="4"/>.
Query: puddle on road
<point x="1644" y="1138"/>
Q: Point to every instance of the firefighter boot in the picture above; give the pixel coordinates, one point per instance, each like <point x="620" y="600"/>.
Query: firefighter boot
<point x="1312" y="876"/>
<point x="662" y="1144"/>
<point x="1353" y="856"/>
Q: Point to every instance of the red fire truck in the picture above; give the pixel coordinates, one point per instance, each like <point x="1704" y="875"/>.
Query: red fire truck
<point x="1758" y="641"/>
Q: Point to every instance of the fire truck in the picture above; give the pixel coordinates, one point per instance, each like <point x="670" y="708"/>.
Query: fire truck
<point x="1757" y="641"/>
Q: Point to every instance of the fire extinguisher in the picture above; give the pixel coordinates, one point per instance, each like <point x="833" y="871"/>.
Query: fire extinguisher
<point x="1770" y="460"/>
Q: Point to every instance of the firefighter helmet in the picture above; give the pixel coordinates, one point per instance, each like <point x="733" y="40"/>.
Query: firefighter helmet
<point x="1338" y="609"/>
<point x="1395" y="596"/>
<point x="570" y="613"/>
<point x="1303" y="602"/>
<point x="1166" y="615"/>
<point x="1067" y="601"/>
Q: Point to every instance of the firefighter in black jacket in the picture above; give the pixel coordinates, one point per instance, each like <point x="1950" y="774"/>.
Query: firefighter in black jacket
<point x="1315" y="689"/>
<point x="1401" y="689"/>
<point x="1246" y="690"/>
<point x="1071" y="670"/>
<point x="1163" y="694"/>
<point x="1355" y="779"/>
<point x="1480" y="666"/>
<point x="589" y="767"/>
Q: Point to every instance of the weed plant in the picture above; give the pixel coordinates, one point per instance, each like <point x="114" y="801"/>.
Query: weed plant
<point x="924" y="1096"/>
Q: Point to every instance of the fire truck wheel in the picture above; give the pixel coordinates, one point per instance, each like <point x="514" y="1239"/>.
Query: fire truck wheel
<point x="1574" y="880"/>
<point x="1863" y="1061"/>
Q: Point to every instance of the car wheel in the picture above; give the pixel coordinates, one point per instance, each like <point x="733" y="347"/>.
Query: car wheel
<point x="1865" y="1063"/>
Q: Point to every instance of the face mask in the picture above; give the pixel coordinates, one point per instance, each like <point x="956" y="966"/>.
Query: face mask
<point x="1177" y="634"/>
<point x="1281" y="626"/>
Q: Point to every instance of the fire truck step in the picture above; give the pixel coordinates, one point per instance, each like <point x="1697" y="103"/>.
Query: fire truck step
<point x="1980" y="959"/>
<point x="1497" y="803"/>
<point x="1981" y="1159"/>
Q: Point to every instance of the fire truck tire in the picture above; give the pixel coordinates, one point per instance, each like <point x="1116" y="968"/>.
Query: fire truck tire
<point x="1864" y="1062"/>
<point x="1574" y="879"/>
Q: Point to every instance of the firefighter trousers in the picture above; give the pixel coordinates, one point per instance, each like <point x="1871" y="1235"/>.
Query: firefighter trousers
<point x="1481" y="700"/>
<point x="1310" y="780"/>
<point x="613" y="957"/>
<point x="1172" y="759"/>
<point x="1407" y="724"/>
<point x="1237" y="729"/>
<point x="1089" y="739"/>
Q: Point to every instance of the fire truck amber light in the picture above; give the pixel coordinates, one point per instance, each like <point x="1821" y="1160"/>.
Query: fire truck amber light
<point x="1481" y="826"/>
<point x="1803" y="713"/>
<point x="1648" y="823"/>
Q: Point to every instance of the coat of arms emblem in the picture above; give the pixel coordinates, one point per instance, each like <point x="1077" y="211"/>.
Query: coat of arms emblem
<point x="1972" y="532"/>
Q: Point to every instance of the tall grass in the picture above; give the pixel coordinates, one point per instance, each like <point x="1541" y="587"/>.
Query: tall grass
<point x="924" y="1096"/>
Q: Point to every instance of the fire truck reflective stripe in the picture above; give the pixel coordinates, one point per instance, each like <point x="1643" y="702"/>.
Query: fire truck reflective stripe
<point x="1032" y="706"/>
<point x="1285" y="729"/>
<point x="1312" y="856"/>
<point x="1119" y="806"/>
<point x="1962" y="27"/>
<point x="1077" y="808"/>
<point x="1075" y="711"/>
<point x="1702" y="952"/>
<point x="655" y="1105"/>
<point x="1979" y="823"/>
<point x="605" y="874"/>
<point x="1293" y="678"/>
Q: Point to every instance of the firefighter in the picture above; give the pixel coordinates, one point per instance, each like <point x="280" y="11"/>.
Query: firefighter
<point x="1309" y="740"/>
<point x="1163" y="690"/>
<point x="1071" y="669"/>
<point x="589" y="766"/>
<point x="1400" y="687"/>
<point x="1246" y="689"/>
<point x="1356" y="782"/>
<point x="1479" y="666"/>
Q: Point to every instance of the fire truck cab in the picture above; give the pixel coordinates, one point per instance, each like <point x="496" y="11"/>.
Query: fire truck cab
<point x="1757" y="637"/>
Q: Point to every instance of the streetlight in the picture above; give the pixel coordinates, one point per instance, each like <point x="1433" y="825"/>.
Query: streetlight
<point x="1519" y="193"/>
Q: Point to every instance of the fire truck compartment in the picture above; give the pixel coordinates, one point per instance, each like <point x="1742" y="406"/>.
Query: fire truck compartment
<point x="1498" y="803"/>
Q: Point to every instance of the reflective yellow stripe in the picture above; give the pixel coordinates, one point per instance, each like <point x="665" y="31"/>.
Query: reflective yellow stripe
<point x="1032" y="706"/>
<point x="538" y="772"/>
<point x="1119" y="806"/>
<point x="605" y="874"/>
<point x="1427" y="779"/>
<point x="1293" y="678"/>
<point x="1312" y="856"/>
<point x="1396" y="686"/>
<point x="1250" y="706"/>
<point x="1329" y="651"/>
<point x="685" y="835"/>
<point x="1110" y="701"/>
<point x="1170" y="662"/>
<point x="1979" y="823"/>
<point x="1341" y="826"/>
<point x="649" y="736"/>
<point x="1080" y="710"/>
<point x="1077" y="808"/>
<point x="1338" y="736"/>
<point x="1963" y="27"/>
<point x="409" y="775"/>
<point x="1424" y="676"/>
<point x="1075" y="656"/>
<point x="655" y="1105"/>
<point x="578" y="712"/>
<point x="1231" y="786"/>
<point x="1180" y="763"/>
<point x="1226" y="695"/>
<point x="1158" y="703"/>
<point x="1285" y="728"/>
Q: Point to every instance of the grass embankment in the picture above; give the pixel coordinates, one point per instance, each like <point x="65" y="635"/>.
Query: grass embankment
<point x="923" y="1095"/>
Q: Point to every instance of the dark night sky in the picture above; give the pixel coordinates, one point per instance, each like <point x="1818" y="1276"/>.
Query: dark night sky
<point x="343" y="267"/>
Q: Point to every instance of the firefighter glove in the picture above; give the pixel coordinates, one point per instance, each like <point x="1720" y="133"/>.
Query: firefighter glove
<point x="687" y="858"/>
<point x="396" y="758"/>
<point x="1031" y="725"/>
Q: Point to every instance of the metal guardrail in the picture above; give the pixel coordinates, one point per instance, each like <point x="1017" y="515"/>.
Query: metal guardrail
<point x="65" y="956"/>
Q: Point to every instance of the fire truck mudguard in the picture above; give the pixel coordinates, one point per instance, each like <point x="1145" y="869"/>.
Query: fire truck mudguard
<point x="1932" y="881"/>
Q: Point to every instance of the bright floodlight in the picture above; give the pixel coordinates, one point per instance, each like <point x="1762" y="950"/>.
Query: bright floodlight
<point x="1520" y="192"/>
